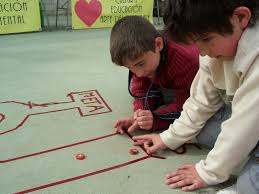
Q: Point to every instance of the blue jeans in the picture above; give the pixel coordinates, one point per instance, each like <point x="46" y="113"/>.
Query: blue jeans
<point x="248" y="180"/>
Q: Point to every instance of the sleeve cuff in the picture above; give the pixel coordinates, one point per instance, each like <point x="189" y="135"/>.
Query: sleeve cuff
<point x="208" y="177"/>
<point x="168" y="139"/>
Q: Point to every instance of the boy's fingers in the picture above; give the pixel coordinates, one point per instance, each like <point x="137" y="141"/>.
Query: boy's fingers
<point x="143" y="137"/>
<point x="147" y="145"/>
<point x="136" y="143"/>
<point x="144" y="123"/>
<point x="136" y="113"/>
<point x="119" y="130"/>
<point x="171" y="174"/>
<point x="138" y="110"/>
<point x="116" y="124"/>
<point x="145" y="113"/>
<point x="133" y="127"/>
<point x="153" y="148"/>
<point x="144" y="118"/>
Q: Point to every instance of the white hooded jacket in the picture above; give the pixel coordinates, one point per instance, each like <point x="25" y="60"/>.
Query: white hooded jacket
<point x="218" y="82"/>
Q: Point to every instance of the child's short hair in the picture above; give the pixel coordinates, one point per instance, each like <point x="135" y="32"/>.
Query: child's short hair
<point x="131" y="37"/>
<point x="186" y="18"/>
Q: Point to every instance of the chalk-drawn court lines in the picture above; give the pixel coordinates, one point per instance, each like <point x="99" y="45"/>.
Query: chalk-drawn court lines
<point x="87" y="103"/>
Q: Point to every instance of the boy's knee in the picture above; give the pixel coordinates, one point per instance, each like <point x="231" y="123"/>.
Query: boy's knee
<point x="245" y="186"/>
<point x="248" y="181"/>
<point x="212" y="128"/>
<point x="206" y="140"/>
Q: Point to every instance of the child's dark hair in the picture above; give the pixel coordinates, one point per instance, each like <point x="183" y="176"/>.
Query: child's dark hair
<point x="131" y="37"/>
<point x="185" y="19"/>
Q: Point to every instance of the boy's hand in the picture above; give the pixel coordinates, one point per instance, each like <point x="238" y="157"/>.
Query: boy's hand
<point x="151" y="142"/>
<point x="125" y="123"/>
<point x="185" y="177"/>
<point x="144" y="119"/>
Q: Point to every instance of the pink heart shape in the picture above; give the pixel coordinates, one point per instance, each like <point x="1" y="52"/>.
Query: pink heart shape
<point x="88" y="12"/>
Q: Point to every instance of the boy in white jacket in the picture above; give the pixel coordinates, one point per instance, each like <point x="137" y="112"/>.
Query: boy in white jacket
<point x="227" y="35"/>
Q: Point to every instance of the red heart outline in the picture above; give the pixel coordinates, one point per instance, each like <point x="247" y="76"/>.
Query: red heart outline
<point x="88" y="12"/>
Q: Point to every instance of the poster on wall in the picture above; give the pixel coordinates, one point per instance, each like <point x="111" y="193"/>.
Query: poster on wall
<point x="105" y="13"/>
<point x="19" y="16"/>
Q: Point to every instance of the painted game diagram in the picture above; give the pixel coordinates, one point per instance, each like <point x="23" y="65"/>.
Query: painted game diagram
<point x="28" y="138"/>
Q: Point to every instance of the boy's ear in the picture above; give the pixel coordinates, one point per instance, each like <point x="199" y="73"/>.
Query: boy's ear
<point x="159" y="44"/>
<point x="242" y="15"/>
